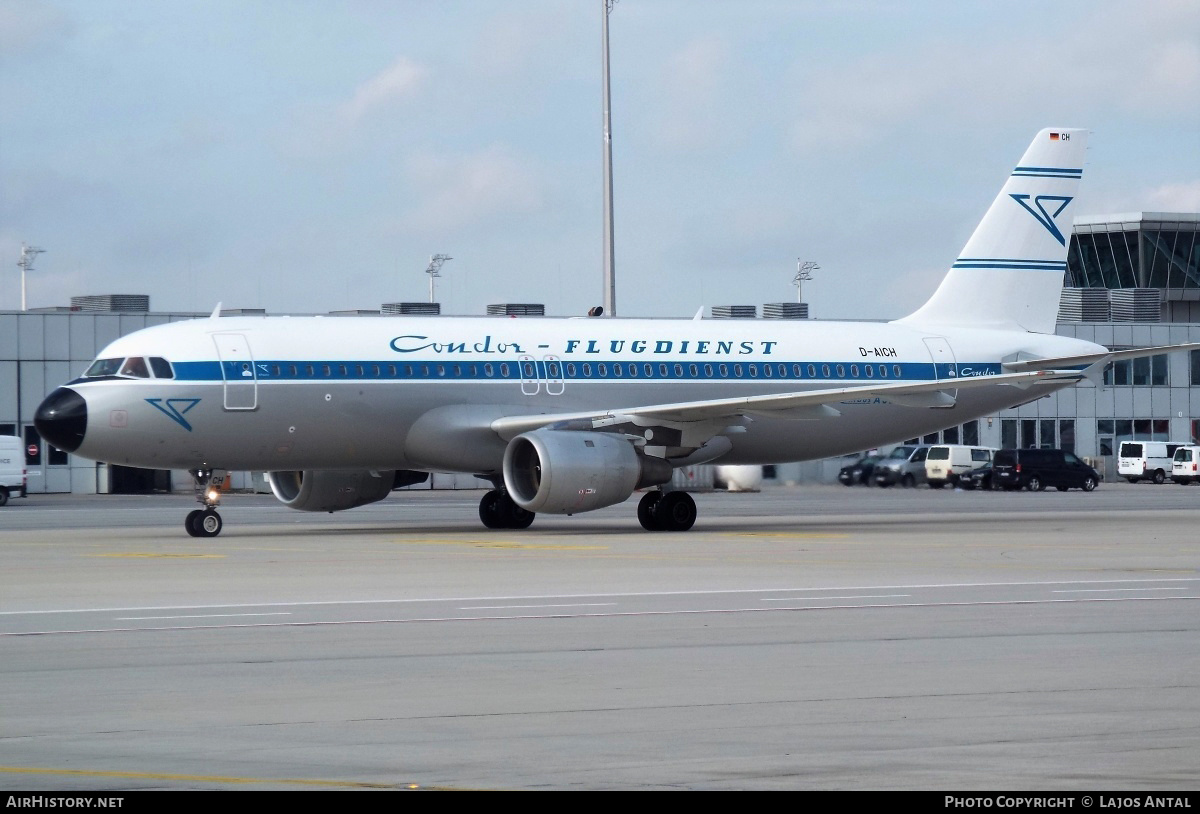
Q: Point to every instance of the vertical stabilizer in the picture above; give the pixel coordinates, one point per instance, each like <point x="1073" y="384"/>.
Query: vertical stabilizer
<point x="1011" y="271"/>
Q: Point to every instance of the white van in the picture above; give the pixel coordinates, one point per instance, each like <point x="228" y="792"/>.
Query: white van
<point x="945" y="462"/>
<point x="1185" y="466"/>
<point x="12" y="467"/>
<point x="1150" y="460"/>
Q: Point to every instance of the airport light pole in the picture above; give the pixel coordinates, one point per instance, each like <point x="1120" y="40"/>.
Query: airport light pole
<point x="804" y="270"/>
<point x="28" y="254"/>
<point x="610" y="282"/>
<point x="434" y="270"/>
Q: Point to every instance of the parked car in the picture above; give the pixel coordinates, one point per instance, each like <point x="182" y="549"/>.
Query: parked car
<point x="980" y="478"/>
<point x="945" y="463"/>
<point x="1035" y="469"/>
<point x="1185" y="466"/>
<point x="859" y="471"/>
<point x="904" y="465"/>
<point x="1149" y="460"/>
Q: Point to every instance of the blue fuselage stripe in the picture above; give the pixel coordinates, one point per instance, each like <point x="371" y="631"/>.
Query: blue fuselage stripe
<point x="590" y="371"/>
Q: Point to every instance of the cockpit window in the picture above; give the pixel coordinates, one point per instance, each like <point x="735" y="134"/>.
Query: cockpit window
<point x="161" y="368"/>
<point x="135" y="366"/>
<point x="103" y="367"/>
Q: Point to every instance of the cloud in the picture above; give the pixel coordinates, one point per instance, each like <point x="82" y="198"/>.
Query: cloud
<point x="398" y="82"/>
<point x="692" y="97"/>
<point x="28" y="26"/>
<point x="471" y="189"/>
<point x="1126" y="57"/>
<point x="1182" y="197"/>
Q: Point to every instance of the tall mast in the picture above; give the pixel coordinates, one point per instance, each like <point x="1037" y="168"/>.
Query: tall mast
<point x="610" y="282"/>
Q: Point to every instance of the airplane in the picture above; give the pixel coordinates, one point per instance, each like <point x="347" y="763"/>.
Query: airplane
<point x="569" y="415"/>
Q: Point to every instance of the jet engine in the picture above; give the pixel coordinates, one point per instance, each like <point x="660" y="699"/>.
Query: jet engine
<point x="332" y="490"/>
<point x="564" y="472"/>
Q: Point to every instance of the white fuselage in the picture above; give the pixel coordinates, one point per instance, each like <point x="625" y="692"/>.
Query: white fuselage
<point x="289" y="393"/>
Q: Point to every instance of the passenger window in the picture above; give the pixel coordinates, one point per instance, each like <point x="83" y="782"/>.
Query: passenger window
<point x="135" y="366"/>
<point x="161" y="368"/>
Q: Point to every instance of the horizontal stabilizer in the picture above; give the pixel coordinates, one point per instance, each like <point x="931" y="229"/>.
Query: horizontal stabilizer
<point x="1088" y="360"/>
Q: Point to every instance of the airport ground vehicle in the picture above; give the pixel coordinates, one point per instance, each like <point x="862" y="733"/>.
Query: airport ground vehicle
<point x="12" y="467"/>
<point x="1035" y="469"/>
<point x="1185" y="465"/>
<point x="946" y="462"/>
<point x="858" y="472"/>
<point x="904" y="465"/>
<point x="1146" y="460"/>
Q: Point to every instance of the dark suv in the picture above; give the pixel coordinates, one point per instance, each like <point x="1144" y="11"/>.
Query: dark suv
<point x="1035" y="469"/>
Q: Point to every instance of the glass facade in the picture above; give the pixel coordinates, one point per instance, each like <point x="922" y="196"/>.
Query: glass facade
<point x="1145" y="254"/>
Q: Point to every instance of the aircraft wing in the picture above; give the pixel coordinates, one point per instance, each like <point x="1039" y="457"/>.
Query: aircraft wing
<point x="808" y="404"/>
<point x="1090" y="359"/>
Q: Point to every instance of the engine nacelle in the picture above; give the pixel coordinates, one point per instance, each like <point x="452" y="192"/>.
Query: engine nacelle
<point x="330" y="490"/>
<point x="564" y="472"/>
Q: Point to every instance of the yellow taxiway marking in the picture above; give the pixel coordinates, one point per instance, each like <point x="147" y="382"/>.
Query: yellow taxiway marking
<point x="150" y="554"/>
<point x="506" y="545"/>
<point x="200" y="778"/>
<point x="798" y="535"/>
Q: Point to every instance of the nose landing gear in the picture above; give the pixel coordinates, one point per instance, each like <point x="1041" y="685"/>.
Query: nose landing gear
<point x="206" y="522"/>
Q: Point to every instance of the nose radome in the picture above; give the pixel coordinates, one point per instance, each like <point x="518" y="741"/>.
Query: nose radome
<point x="62" y="419"/>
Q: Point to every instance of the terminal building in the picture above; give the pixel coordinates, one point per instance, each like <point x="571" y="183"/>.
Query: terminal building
<point x="1132" y="281"/>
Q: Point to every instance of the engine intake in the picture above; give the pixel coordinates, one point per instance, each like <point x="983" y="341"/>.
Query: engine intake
<point x="564" y="472"/>
<point x="330" y="490"/>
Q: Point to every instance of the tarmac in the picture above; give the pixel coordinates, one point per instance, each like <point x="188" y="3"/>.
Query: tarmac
<point x="809" y="637"/>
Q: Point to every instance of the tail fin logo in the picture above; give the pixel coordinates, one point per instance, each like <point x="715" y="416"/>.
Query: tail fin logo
<point x="1041" y="215"/>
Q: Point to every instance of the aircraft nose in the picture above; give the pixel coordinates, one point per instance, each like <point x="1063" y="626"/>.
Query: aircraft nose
<point x="62" y="419"/>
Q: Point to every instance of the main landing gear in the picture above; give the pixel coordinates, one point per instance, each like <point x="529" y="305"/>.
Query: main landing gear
<point x="499" y="511"/>
<point x="666" y="511"/>
<point x="206" y="522"/>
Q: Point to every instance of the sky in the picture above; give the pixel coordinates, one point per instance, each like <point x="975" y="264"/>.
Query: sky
<point x="305" y="156"/>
